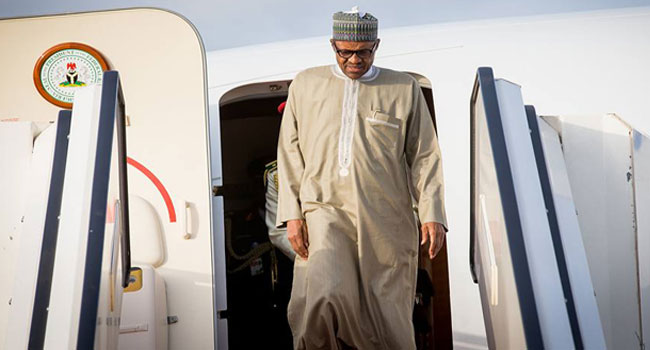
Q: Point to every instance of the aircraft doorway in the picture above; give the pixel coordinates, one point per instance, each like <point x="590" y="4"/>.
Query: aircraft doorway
<point x="259" y="276"/>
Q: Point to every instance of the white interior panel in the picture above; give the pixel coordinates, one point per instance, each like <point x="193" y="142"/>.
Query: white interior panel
<point x="147" y="245"/>
<point x="144" y="314"/>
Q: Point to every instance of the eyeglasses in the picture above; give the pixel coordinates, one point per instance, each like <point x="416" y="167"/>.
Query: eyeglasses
<point x="363" y="53"/>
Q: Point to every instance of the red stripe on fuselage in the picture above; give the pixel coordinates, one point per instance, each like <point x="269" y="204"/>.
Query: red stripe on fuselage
<point x="161" y="188"/>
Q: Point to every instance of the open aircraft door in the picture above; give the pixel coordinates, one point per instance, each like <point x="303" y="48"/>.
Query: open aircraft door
<point x="161" y="62"/>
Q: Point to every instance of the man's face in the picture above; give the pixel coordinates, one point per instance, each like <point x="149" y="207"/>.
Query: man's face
<point x="356" y="65"/>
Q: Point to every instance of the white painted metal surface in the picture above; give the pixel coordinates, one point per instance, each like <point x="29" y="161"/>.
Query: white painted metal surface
<point x="598" y="156"/>
<point x="147" y="239"/>
<point x="489" y="260"/>
<point x="16" y="141"/>
<point x="641" y="172"/>
<point x="29" y="251"/>
<point x="109" y="301"/>
<point x="86" y="294"/>
<point x="504" y="304"/>
<point x="69" y="263"/>
<point x="551" y="309"/>
<point x="219" y="263"/>
<point x="144" y="314"/>
<point x="574" y="250"/>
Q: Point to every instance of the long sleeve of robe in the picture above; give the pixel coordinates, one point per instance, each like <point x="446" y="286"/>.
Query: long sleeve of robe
<point x="347" y="151"/>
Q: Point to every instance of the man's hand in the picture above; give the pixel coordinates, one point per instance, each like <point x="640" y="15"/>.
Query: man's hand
<point x="434" y="233"/>
<point x="298" y="237"/>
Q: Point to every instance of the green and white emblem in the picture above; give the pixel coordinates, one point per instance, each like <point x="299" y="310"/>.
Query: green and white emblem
<point x="66" y="67"/>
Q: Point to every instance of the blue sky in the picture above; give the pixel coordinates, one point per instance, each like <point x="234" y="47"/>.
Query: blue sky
<point x="231" y="23"/>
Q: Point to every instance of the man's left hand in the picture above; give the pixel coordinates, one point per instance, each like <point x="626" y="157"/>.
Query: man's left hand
<point x="434" y="233"/>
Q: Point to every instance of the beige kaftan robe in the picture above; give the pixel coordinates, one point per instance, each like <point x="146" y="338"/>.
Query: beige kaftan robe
<point x="342" y="152"/>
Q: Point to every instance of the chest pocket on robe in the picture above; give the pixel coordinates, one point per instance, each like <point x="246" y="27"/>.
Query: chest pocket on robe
<point x="383" y="130"/>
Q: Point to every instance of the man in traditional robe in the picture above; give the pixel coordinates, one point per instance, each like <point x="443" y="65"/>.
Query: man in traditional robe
<point x="357" y="149"/>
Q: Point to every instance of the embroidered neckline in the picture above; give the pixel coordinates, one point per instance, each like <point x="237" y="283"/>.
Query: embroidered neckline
<point x="348" y="123"/>
<point x="349" y="114"/>
<point x="370" y="75"/>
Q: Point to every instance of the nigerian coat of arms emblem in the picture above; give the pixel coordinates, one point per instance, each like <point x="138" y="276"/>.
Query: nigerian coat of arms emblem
<point x="64" y="68"/>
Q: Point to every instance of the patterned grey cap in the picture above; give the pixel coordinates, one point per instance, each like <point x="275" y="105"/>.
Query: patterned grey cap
<point x="354" y="26"/>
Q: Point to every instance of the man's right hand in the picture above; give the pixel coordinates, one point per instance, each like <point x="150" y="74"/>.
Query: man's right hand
<point x="298" y="237"/>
